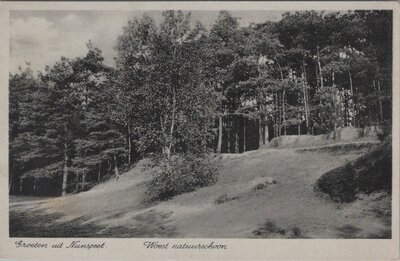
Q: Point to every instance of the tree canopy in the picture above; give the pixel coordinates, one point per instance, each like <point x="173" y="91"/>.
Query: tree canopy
<point x="74" y="123"/>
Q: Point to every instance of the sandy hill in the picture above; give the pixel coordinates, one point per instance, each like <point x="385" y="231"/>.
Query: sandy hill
<point x="235" y="207"/>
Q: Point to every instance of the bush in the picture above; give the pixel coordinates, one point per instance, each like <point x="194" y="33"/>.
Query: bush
<point x="369" y="173"/>
<point x="386" y="130"/>
<point x="339" y="183"/>
<point x="269" y="229"/>
<point x="180" y="174"/>
<point x="224" y="198"/>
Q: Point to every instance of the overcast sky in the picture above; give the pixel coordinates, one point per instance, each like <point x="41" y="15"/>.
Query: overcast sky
<point x="42" y="37"/>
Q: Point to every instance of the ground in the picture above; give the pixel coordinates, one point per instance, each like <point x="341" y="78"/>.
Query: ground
<point x="290" y="208"/>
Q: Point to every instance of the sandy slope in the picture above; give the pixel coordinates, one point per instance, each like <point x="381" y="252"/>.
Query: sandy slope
<point x="117" y="208"/>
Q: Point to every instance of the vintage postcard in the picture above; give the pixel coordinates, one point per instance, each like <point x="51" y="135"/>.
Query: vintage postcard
<point x="199" y="130"/>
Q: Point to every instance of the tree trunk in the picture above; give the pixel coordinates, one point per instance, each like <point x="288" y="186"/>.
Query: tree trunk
<point x="65" y="174"/>
<point x="99" y="174"/>
<point x="237" y="141"/>
<point x="10" y="184"/>
<point x="109" y="167"/>
<point x="284" y="113"/>
<point x="244" y="134"/>
<point x="305" y="106"/>
<point x="316" y="78"/>
<point x="21" y="182"/>
<point x="319" y="68"/>
<point x="380" y="101"/>
<point x="280" y="113"/>
<point x="351" y="84"/>
<point x="219" y="144"/>
<point x="305" y="94"/>
<point x="352" y="98"/>
<point x="77" y="184"/>
<point x="83" y="181"/>
<point x="276" y="121"/>
<point x="116" y="167"/>
<point x="335" y="106"/>
<point x="229" y="140"/>
<point x="236" y="128"/>
<point x="283" y="103"/>
<point x="260" y="137"/>
<point x="168" y="134"/>
<point x="34" y="186"/>
<point x="129" y="145"/>
<point x="346" y="109"/>
<point x="171" y="131"/>
<point x="266" y="134"/>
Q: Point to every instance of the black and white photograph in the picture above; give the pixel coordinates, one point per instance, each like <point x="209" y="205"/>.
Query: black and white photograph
<point x="218" y="124"/>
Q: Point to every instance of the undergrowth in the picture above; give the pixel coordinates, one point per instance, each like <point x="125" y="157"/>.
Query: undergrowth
<point x="180" y="174"/>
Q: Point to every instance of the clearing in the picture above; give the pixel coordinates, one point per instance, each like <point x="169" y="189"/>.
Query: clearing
<point x="288" y="209"/>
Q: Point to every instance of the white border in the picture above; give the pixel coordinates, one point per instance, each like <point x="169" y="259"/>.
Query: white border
<point x="238" y="249"/>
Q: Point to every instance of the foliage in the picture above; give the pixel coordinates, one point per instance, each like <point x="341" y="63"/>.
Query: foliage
<point x="179" y="174"/>
<point x="326" y="110"/>
<point x="369" y="173"/>
<point x="309" y="72"/>
<point x="178" y="101"/>
<point x="339" y="183"/>
<point x="386" y="128"/>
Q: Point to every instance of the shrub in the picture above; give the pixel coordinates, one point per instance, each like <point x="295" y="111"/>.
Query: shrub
<point x="296" y="233"/>
<point x="224" y="198"/>
<point x="338" y="183"/>
<point x="269" y="229"/>
<point x="377" y="175"/>
<point x="180" y="174"/>
<point x="386" y="130"/>
<point x="369" y="173"/>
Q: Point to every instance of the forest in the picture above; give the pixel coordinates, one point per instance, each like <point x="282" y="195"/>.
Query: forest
<point x="181" y="92"/>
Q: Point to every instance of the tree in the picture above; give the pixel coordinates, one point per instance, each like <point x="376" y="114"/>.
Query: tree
<point x="134" y="47"/>
<point x="178" y="104"/>
<point x="309" y="73"/>
<point x="102" y="140"/>
<point x="25" y="125"/>
<point x="61" y="102"/>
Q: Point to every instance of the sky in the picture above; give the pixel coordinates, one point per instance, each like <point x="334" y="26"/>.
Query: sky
<point x="42" y="37"/>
